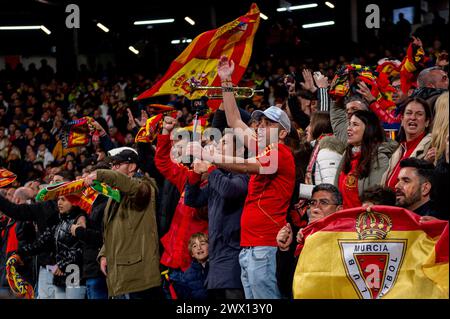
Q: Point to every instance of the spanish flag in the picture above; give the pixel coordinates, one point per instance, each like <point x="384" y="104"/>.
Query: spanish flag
<point x="375" y="253"/>
<point x="197" y="64"/>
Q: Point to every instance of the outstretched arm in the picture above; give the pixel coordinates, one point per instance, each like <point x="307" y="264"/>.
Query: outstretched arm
<point x="234" y="120"/>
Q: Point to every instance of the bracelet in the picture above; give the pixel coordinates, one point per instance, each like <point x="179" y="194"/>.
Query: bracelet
<point x="227" y="89"/>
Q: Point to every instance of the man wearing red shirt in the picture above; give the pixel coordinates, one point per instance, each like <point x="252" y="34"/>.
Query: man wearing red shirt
<point x="269" y="191"/>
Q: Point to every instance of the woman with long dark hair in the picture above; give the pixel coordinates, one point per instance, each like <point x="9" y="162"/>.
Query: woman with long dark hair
<point x="366" y="157"/>
<point x="414" y="137"/>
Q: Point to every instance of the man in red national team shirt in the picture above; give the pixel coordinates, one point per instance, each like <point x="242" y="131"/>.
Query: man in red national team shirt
<point x="270" y="188"/>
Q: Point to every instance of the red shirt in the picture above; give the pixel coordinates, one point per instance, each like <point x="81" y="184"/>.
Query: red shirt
<point x="348" y="184"/>
<point x="268" y="198"/>
<point x="410" y="147"/>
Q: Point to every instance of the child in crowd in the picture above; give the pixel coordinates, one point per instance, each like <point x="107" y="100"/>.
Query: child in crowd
<point x="191" y="283"/>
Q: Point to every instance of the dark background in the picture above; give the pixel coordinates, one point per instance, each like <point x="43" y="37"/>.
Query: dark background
<point x="156" y="51"/>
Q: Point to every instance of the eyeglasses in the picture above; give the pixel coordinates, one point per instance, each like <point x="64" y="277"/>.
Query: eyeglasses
<point x="320" y="202"/>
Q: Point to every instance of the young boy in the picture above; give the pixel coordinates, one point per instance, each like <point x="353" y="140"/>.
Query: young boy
<point x="191" y="283"/>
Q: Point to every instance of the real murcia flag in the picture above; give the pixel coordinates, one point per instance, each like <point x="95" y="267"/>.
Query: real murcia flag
<point x="381" y="252"/>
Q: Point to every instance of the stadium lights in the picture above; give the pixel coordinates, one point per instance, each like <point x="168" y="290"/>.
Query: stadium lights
<point x="299" y="7"/>
<point x="43" y="28"/>
<point x="263" y="16"/>
<point x="189" y="20"/>
<point x="132" y="49"/>
<point x="317" y="24"/>
<point x="158" y="21"/>
<point x="25" y="27"/>
<point x="329" y="4"/>
<point x="102" y="27"/>
<point x="181" y="41"/>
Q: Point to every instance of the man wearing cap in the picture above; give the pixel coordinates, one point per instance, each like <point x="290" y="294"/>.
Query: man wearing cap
<point x="269" y="191"/>
<point x="129" y="257"/>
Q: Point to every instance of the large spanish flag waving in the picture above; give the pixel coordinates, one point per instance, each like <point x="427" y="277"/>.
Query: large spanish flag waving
<point x="380" y="252"/>
<point x="197" y="64"/>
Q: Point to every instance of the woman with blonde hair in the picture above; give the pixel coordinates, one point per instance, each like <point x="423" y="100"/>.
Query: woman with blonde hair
<point x="440" y="129"/>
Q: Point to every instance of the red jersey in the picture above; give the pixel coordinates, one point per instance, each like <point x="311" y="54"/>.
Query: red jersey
<point x="348" y="184"/>
<point x="268" y="198"/>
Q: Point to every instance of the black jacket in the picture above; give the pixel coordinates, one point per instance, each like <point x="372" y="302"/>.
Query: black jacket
<point x="58" y="239"/>
<point x="440" y="188"/>
<point x="92" y="238"/>
<point x="44" y="214"/>
<point x="427" y="209"/>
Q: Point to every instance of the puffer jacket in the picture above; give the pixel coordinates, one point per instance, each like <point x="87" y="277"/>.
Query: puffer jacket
<point x="326" y="164"/>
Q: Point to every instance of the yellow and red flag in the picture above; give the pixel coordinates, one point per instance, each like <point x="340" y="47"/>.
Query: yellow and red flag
<point x="6" y="177"/>
<point x="379" y="252"/>
<point x="152" y="127"/>
<point x="197" y="64"/>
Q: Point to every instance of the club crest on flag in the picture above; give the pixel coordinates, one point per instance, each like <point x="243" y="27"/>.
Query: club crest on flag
<point x="372" y="263"/>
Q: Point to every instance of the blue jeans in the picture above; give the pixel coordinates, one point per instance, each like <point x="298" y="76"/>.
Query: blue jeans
<point x="258" y="272"/>
<point x="47" y="290"/>
<point x="96" y="288"/>
<point x="70" y="292"/>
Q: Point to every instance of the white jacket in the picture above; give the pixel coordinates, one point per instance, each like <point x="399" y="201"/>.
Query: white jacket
<point x="324" y="170"/>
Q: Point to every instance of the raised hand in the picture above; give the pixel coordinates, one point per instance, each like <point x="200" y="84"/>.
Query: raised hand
<point x="168" y="125"/>
<point x="131" y="122"/>
<point x="290" y="86"/>
<point x="321" y="80"/>
<point x="143" y="120"/>
<point x="88" y="180"/>
<point x="225" y="68"/>
<point x="365" y="92"/>
<point x="309" y="82"/>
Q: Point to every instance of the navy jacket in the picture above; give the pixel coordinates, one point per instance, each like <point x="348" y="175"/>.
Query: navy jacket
<point x="190" y="285"/>
<point x="225" y="195"/>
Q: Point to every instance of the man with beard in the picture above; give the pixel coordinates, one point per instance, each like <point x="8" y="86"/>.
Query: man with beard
<point x="413" y="189"/>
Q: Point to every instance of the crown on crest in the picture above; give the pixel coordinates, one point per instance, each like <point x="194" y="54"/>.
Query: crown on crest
<point x="373" y="225"/>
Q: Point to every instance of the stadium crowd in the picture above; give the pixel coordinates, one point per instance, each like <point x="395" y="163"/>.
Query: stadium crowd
<point x="207" y="212"/>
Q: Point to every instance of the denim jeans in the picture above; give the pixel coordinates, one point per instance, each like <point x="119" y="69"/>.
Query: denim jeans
<point x="70" y="292"/>
<point x="96" y="288"/>
<point x="47" y="290"/>
<point x="258" y="272"/>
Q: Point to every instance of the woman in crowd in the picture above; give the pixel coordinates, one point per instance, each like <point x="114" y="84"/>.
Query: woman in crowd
<point x="414" y="137"/>
<point x="365" y="160"/>
<point x="440" y="129"/>
<point x="326" y="155"/>
<point x="67" y="249"/>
